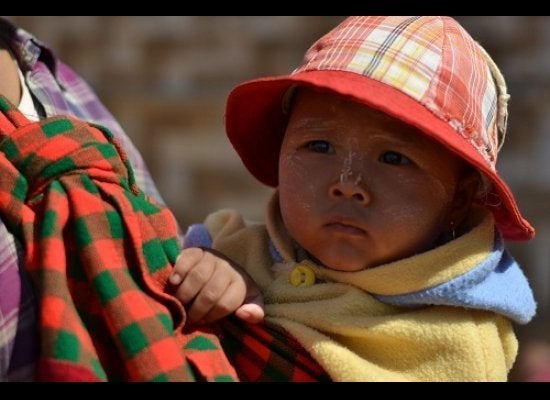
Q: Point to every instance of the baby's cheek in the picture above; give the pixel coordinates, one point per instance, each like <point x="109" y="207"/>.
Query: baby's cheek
<point x="295" y="177"/>
<point x="410" y="203"/>
<point x="293" y="166"/>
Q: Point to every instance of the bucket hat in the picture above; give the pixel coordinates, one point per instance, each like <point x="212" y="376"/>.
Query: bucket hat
<point x="425" y="71"/>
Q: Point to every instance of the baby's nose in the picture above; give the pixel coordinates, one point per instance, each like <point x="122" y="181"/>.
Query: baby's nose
<point x="349" y="190"/>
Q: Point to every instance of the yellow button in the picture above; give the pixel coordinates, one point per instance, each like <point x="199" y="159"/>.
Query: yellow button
<point x="302" y="275"/>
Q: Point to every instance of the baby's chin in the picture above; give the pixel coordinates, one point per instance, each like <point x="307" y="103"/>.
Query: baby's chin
<point x="342" y="265"/>
<point x="348" y="268"/>
<point x="347" y="259"/>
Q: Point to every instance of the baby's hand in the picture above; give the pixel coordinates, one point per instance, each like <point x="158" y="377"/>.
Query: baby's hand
<point x="212" y="287"/>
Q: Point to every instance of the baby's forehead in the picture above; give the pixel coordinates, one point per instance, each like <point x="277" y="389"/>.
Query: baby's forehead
<point x="313" y="109"/>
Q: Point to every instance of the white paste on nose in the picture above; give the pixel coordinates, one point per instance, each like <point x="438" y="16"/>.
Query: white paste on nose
<point x="347" y="170"/>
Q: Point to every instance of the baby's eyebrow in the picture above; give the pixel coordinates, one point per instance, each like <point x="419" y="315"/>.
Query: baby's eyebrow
<point x="311" y="123"/>
<point x="413" y="140"/>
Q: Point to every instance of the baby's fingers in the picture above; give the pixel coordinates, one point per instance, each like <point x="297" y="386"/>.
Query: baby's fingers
<point x="186" y="260"/>
<point x="252" y="310"/>
<point x="195" y="281"/>
<point x="211" y="297"/>
<point x="230" y="301"/>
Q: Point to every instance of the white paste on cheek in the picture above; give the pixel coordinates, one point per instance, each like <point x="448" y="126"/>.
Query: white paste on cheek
<point x="298" y="173"/>
<point x="417" y="213"/>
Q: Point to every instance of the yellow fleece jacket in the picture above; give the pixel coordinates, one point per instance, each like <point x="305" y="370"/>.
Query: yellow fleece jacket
<point x="354" y="336"/>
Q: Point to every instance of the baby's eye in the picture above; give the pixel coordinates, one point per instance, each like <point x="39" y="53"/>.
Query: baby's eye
<point x="394" y="158"/>
<point x="320" y="146"/>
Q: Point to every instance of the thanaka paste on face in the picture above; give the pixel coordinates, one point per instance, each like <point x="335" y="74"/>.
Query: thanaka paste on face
<point x="396" y="214"/>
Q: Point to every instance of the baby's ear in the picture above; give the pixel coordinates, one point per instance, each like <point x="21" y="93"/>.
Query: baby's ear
<point x="466" y="191"/>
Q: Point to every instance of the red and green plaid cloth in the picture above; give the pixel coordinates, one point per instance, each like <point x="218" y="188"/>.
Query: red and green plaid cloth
<point x="267" y="353"/>
<point x="99" y="253"/>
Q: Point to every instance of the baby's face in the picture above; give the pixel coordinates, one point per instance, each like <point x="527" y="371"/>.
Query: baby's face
<point x="358" y="188"/>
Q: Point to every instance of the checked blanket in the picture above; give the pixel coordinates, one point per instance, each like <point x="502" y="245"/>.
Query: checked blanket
<point x="99" y="253"/>
<point x="267" y="353"/>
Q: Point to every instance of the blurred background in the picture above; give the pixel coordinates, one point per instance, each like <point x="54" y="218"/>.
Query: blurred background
<point x="166" y="80"/>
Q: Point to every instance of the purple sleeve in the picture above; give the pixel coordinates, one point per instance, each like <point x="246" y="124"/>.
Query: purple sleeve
<point x="18" y="333"/>
<point x="197" y="236"/>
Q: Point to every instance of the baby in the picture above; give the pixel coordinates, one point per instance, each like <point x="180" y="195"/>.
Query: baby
<point x="382" y="250"/>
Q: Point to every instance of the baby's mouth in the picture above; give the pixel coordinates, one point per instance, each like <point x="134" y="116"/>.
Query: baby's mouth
<point x="346" y="226"/>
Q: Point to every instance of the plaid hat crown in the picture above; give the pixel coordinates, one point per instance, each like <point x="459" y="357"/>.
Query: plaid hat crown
<point x="431" y="59"/>
<point x="427" y="72"/>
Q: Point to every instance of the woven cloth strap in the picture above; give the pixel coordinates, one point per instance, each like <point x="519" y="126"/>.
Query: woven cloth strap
<point x="99" y="253"/>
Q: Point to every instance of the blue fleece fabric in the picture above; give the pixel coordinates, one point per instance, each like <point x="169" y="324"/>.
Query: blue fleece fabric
<point x="497" y="284"/>
<point x="197" y="236"/>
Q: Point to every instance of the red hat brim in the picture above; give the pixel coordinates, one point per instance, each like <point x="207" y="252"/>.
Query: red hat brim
<point x="255" y="125"/>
